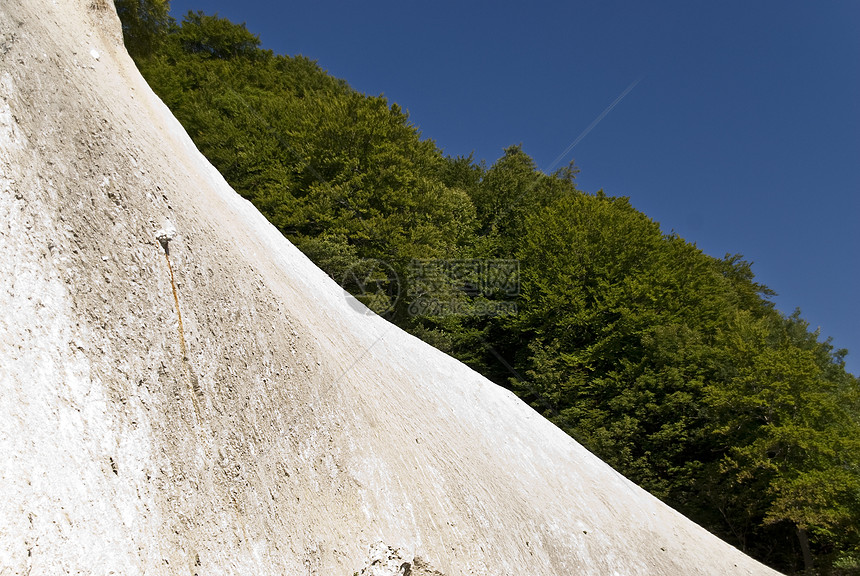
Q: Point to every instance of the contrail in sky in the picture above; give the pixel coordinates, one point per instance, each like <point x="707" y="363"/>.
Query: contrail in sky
<point x="594" y="123"/>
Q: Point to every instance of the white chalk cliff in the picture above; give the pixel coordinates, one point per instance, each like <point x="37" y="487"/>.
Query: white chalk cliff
<point x="227" y="408"/>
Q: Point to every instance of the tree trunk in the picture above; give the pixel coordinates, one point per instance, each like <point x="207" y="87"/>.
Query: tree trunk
<point x="804" y="547"/>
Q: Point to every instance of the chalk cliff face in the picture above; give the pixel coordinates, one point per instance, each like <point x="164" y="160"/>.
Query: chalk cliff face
<point x="225" y="408"/>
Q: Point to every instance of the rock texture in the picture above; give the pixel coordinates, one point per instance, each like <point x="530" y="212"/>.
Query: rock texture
<point x="183" y="392"/>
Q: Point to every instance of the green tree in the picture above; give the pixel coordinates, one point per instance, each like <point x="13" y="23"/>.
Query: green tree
<point x="788" y="435"/>
<point x="145" y="24"/>
<point x="617" y="318"/>
<point x="508" y="192"/>
<point x="214" y="37"/>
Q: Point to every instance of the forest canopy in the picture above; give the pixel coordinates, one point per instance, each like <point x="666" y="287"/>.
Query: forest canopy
<point x="671" y="365"/>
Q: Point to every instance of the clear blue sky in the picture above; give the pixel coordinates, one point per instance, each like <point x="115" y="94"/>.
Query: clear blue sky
<point x="742" y="134"/>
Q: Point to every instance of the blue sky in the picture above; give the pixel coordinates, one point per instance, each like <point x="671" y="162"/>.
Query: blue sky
<point x="741" y="132"/>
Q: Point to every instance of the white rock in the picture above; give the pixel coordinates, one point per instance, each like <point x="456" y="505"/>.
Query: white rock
<point x="166" y="233"/>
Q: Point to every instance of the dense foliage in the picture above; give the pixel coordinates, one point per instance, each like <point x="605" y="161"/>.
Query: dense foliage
<point x="671" y="365"/>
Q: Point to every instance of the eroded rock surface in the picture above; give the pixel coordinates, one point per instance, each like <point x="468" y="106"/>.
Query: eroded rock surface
<point x="383" y="560"/>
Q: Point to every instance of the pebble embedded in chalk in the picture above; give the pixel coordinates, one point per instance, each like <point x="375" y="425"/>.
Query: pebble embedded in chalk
<point x="166" y="233"/>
